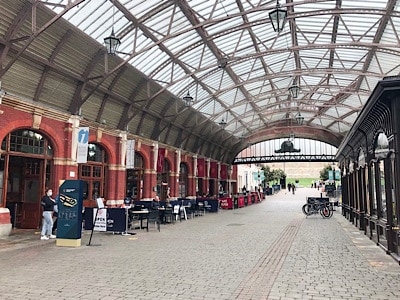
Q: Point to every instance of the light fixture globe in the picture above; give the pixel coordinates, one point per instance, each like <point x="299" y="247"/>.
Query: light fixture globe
<point x="187" y="99"/>
<point x="112" y="43"/>
<point x="278" y="17"/>
<point x="222" y="123"/>
<point x="294" y="90"/>
<point x="299" y="119"/>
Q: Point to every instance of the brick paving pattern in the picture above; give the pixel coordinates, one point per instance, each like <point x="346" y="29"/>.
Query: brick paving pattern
<point x="263" y="251"/>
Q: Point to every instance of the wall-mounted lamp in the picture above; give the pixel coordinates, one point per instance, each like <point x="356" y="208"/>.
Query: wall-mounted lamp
<point x="188" y="99"/>
<point x="278" y="17"/>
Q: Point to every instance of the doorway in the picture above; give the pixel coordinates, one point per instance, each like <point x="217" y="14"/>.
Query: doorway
<point x="24" y="188"/>
<point x="26" y="170"/>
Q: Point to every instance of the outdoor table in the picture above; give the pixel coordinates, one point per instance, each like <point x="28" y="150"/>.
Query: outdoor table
<point x="141" y="214"/>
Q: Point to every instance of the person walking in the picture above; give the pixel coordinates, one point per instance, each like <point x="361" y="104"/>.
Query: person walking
<point x="48" y="207"/>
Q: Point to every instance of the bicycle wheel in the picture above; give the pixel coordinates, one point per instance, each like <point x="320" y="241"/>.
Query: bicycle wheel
<point x="325" y="212"/>
<point x="307" y="209"/>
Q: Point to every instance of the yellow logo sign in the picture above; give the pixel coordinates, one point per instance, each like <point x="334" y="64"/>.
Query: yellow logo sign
<point x="68" y="201"/>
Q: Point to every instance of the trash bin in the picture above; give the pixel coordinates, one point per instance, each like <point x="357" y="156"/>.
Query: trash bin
<point x="235" y="202"/>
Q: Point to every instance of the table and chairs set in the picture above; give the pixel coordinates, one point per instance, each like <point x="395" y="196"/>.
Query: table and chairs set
<point x="145" y="215"/>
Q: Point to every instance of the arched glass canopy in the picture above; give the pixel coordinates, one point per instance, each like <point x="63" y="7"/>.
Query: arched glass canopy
<point x="227" y="56"/>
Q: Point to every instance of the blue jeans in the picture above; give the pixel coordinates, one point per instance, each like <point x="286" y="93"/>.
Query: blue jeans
<point x="47" y="223"/>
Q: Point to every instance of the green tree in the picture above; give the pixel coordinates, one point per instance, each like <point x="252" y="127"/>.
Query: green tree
<point x="278" y="174"/>
<point x="272" y="175"/>
<point x="324" y="173"/>
<point x="268" y="175"/>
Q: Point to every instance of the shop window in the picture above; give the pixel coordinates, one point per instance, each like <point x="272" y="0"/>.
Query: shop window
<point x="163" y="181"/>
<point x="183" y="180"/>
<point x="381" y="150"/>
<point x="26" y="141"/>
<point x="382" y="200"/>
<point x="366" y="192"/>
<point x="373" y="190"/>
<point x="395" y="213"/>
<point x="135" y="178"/>
<point x="92" y="173"/>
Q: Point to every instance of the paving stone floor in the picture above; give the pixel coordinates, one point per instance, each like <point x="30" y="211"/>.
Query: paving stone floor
<point x="268" y="250"/>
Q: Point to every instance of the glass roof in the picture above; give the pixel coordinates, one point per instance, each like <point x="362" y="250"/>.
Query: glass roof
<point x="335" y="50"/>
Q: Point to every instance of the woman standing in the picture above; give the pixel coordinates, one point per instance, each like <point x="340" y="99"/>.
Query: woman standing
<point x="48" y="207"/>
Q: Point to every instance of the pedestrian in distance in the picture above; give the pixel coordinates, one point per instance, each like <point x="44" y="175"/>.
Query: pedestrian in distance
<point x="48" y="207"/>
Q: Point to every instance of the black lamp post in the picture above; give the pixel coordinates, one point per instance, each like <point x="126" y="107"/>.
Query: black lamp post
<point x="278" y="17"/>
<point x="112" y="43"/>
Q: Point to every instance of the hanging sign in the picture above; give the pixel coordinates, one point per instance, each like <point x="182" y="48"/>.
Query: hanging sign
<point x="83" y="143"/>
<point x="130" y="154"/>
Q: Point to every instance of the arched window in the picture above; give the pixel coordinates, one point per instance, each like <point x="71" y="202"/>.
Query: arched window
<point x="135" y="178"/>
<point x="183" y="180"/>
<point x="381" y="150"/>
<point x="92" y="173"/>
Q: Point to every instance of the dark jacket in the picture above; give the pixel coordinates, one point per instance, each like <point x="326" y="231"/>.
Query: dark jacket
<point x="47" y="203"/>
<point x="155" y="205"/>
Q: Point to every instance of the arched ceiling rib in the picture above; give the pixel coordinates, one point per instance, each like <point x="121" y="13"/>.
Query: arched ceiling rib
<point x="336" y="50"/>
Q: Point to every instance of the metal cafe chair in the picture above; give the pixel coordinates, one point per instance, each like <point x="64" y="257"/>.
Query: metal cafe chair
<point x="153" y="216"/>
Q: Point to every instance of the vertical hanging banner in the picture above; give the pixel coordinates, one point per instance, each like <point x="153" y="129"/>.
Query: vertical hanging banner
<point x="160" y="159"/>
<point x="83" y="143"/>
<point x="130" y="154"/>
<point x="200" y="168"/>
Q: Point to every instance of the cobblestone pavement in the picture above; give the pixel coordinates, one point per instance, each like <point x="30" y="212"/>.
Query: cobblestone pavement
<point x="268" y="250"/>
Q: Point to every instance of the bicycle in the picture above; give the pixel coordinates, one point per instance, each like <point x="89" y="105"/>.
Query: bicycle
<point x="315" y="207"/>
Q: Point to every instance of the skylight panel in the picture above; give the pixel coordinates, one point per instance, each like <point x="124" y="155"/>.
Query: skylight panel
<point x="142" y="7"/>
<point x="223" y="25"/>
<point x="375" y="4"/>
<point x="182" y="41"/>
<point x="238" y="110"/>
<point x="202" y="8"/>
<point x="233" y="40"/>
<point x="355" y="101"/>
<point x="253" y="87"/>
<point x="314" y="6"/>
<point x="232" y="96"/>
<point x="148" y="61"/>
